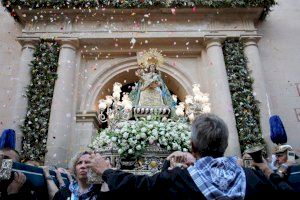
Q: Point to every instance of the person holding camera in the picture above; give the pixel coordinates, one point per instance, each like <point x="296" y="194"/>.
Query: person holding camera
<point x="16" y="187"/>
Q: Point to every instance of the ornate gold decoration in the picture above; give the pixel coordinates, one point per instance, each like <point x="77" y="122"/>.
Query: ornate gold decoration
<point x="150" y="57"/>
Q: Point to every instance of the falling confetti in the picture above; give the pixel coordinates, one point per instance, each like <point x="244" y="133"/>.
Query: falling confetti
<point x="173" y="10"/>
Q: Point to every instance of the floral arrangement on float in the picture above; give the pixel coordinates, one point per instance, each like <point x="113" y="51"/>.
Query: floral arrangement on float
<point x="130" y="138"/>
<point x="149" y="116"/>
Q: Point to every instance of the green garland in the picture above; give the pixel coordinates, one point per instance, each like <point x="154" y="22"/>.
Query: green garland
<point x="56" y="4"/>
<point x="39" y="94"/>
<point x="245" y="106"/>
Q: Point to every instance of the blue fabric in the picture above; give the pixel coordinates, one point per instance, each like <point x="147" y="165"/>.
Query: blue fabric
<point x="34" y="175"/>
<point x="277" y="134"/>
<point x="8" y="139"/>
<point x="74" y="188"/>
<point x="219" y="178"/>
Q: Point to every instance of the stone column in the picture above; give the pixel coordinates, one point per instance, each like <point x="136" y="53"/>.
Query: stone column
<point x="220" y="93"/>
<point x="22" y="81"/>
<point x="62" y="112"/>
<point x="87" y="126"/>
<point x="259" y="88"/>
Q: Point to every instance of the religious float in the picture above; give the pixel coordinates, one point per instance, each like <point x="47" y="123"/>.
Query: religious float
<point x="147" y="124"/>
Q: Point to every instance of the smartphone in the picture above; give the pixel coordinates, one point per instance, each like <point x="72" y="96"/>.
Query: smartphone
<point x="291" y="156"/>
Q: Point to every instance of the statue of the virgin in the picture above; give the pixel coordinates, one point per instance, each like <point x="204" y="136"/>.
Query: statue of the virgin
<point x="151" y="90"/>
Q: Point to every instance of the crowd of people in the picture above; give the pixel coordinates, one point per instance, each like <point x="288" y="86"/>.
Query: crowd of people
<point x="205" y="173"/>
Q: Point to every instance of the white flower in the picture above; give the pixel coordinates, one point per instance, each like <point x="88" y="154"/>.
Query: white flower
<point x="138" y="136"/>
<point x="138" y="147"/>
<point x="149" y="117"/>
<point x="154" y="133"/>
<point x="143" y="130"/>
<point x="150" y="126"/>
<point x="114" y="139"/>
<point x="133" y="131"/>
<point x="130" y="151"/>
<point x="120" y="151"/>
<point x="143" y="135"/>
<point x="125" y="135"/>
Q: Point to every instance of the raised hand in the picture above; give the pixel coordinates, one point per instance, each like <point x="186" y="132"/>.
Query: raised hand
<point x="98" y="164"/>
<point x="180" y="159"/>
<point x="17" y="183"/>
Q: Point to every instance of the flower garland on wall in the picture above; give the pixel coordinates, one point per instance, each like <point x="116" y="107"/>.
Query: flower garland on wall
<point x="266" y="4"/>
<point x="245" y="106"/>
<point x="39" y="94"/>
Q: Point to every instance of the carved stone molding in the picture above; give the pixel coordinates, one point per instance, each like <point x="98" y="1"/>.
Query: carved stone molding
<point x="28" y="42"/>
<point x="250" y="39"/>
<point x="90" y="116"/>
<point x="72" y="43"/>
<point x="213" y="40"/>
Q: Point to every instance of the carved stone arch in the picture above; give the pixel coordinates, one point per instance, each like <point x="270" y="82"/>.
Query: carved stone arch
<point x="176" y="80"/>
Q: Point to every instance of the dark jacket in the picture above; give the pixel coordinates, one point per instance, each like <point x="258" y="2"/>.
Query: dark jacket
<point x="26" y="192"/>
<point x="171" y="184"/>
<point x="64" y="193"/>
<point x="178" y="184"/>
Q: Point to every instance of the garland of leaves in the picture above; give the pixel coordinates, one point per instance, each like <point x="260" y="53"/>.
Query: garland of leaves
<point x="57" y="4"/>
<point x="245" y="106"/>
<point x="39" y="94"/>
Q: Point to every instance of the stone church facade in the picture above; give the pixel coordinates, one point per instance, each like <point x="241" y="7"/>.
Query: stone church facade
<point x="99" y="48"/>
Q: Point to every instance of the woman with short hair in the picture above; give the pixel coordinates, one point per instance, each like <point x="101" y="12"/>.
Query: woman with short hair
<point x="79" y="188"/>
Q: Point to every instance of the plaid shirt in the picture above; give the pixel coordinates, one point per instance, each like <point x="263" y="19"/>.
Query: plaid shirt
<point x="219" y="178"/>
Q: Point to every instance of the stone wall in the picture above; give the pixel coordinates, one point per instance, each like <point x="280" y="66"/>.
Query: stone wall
<point x="279" y="50"/>
<point x="10" y="51"/>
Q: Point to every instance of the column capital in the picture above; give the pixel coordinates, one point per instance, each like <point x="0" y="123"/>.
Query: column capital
<point x="28" y="42"/>
<point x="72" y="43"/>
<point x="90" y="116"/>
<point x="213" y="40"/>
<point x="250" y="39"/>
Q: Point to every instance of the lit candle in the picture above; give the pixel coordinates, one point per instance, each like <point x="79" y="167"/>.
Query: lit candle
<point x="174" y="97"/>
<point x="116" y="95"/>
<point x="181" y="104"/>
<point x="128" y="106"/>
<point x="117" y="87"/>
<point x="205" y="98"/>
<point x="196" y="89"/>
<point x="179" y="111"/>
<point x="189" y="99"/>
<point x="206" y="108"/>
<point x="198" y="98"/>
<point x="102" y="104"/>
<point x="109" y="100"/>
<point x="191" y="117"/>
<point x="127" y="103"/>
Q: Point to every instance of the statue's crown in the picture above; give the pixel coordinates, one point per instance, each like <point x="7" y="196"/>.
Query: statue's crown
<point x="152" y="56"/>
